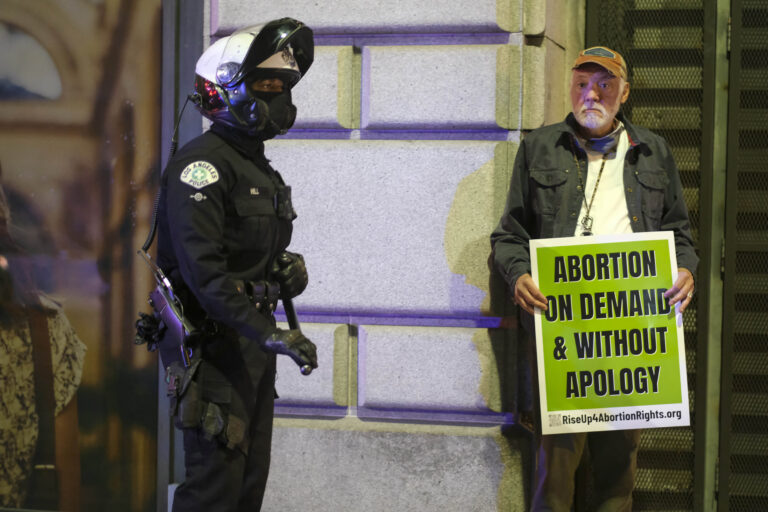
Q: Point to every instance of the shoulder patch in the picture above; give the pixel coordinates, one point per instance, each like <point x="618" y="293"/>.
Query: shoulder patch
<point x="199" y="174"/>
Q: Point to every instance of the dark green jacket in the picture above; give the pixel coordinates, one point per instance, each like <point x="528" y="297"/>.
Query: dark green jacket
<point x="543" y="201"/>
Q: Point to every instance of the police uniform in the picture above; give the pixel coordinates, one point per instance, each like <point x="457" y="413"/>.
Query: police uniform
<point x="224" y="221"/>
<point x="224" y="215"/>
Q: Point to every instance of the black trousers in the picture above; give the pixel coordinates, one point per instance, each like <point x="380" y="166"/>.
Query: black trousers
<point x="240" y="378"/>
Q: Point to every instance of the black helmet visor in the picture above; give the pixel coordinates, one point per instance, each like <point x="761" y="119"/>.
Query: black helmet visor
<point x="271" y="39"/>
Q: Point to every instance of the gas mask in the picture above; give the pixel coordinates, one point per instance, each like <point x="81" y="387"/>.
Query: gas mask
<point x="278" y="113"/>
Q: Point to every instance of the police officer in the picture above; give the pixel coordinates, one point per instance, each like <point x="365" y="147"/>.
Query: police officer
<point x="225" y="221"/>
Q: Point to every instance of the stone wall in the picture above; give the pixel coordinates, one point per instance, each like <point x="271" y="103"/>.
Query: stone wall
<point x="400" y="161"/>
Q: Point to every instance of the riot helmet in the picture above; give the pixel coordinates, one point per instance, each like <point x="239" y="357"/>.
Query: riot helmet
<point x="244" y="80"/>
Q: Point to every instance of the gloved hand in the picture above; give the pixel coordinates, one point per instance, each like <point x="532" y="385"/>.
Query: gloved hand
<point x="290" y="271"/>
<point x="149" y="331"/>
<point x="294" y="344"/>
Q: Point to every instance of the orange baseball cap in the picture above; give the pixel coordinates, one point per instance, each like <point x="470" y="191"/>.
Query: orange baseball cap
<point x="605" y="57"/>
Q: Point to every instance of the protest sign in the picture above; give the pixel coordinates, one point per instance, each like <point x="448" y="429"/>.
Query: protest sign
<point x="610" y="349"/>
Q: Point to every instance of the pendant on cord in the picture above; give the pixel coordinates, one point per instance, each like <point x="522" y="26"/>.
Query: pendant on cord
<point x="586" y="225"/>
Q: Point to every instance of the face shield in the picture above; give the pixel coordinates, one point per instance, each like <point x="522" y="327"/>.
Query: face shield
<point x="239" y="76"/>
<point x="284" y="44"/>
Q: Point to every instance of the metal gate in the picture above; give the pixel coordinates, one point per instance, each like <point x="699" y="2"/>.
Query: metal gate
<point x="699" y="77"/>
<point x="743" y="480"/>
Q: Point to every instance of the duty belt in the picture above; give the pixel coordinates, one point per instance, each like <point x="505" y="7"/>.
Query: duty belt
<point x="263" y="295"/>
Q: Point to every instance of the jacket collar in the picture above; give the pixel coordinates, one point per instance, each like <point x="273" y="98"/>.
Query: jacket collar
<point x="251" y="147"/>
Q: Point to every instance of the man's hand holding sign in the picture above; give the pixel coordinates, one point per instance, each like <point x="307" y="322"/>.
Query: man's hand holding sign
<point x="528" y="296"/>
<point x="682" y="290"/>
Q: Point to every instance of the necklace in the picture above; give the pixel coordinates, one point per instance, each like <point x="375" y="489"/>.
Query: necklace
<point x="586" y="221"/>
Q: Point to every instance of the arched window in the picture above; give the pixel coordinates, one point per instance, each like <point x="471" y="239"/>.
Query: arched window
<point x="27" y="70"/>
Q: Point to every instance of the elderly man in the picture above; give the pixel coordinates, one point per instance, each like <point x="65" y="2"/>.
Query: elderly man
<point x="595" y="173"/>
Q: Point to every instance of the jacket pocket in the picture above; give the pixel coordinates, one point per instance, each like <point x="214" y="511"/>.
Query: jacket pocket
<point x="656" y="180"/>
<point x="247" y="206"/>
<point x="547" y="195"/>
<point x="251" y="230"/>
<point x="549" y="177"/>
<point x="653" y="185"/>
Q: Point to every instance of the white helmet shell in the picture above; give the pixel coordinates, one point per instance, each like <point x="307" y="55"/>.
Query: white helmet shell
<point x="221" y="61"/>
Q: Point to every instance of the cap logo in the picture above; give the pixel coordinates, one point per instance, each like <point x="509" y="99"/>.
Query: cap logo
<point x="604" y="57"/>
<point x="600" y="52"/>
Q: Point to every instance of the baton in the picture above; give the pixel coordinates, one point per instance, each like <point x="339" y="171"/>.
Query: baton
<point x="293" y="323"/>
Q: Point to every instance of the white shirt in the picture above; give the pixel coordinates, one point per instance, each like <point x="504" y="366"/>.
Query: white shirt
<point x="609" y="211"/>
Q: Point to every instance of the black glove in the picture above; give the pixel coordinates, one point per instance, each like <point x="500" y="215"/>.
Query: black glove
<point x="290" y="271"/>
<point x="294" y="344"/>
<point x="149" y="330"/>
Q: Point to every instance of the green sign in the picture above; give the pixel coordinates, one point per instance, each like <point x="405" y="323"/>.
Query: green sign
<point x="610" y="348"/>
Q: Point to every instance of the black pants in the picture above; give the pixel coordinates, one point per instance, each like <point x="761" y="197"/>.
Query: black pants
<point x="231" y="479"/>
